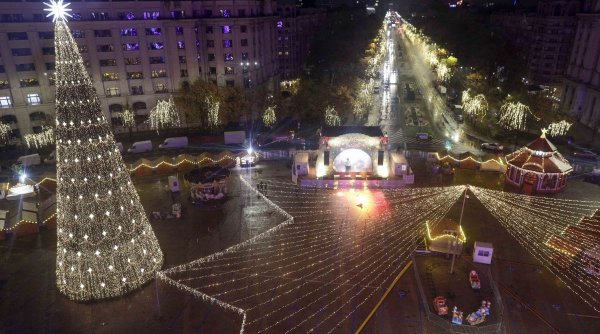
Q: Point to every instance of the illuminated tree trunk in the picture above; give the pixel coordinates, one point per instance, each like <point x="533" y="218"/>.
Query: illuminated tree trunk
<point x="106" y="246"/>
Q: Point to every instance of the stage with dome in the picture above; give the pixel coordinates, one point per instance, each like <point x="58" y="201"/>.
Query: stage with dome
<point x="351" y="157"/>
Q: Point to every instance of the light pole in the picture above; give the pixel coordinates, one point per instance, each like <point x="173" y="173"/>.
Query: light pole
<point x="465" y="196"/>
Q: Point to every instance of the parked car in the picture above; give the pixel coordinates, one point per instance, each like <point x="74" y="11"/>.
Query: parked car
<point x="29" y="160"/>
<point x="585" y="154"/>
<point x="174" y="142"/>
<point x="492" y="147"/>
<point x="376" y="90"/>
<point x="423" y="136"/>
<point x="141" y="147"/>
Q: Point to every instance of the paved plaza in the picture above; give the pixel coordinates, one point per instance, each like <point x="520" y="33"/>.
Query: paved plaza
<point x="344" y="243"/>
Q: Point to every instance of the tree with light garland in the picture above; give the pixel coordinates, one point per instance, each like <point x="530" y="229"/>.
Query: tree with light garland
<point x="213" y="106"/>
<point x="164" y="115"/>
<point x="39" y="140"/>
<point x="559" y="128"/>
<point x="269" y="118"/>
<point x="513" y="115"/>
<point x="106" y="246"/>
<point x="5" y="131"/>
<point x="331" y="117"/>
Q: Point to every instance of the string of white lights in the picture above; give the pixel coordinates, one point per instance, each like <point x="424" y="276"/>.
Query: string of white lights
<point x="105" y="244"/>
<point x="535" y="221"/>
<point x="309" y="251"/>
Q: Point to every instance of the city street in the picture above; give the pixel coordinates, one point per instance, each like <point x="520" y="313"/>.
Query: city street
<point x="403" y="67"/>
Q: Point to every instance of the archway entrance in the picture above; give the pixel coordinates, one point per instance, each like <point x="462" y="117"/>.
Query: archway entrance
<point x="353" y="160"/>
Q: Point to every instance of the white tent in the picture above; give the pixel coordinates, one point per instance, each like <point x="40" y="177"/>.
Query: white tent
<point x="482" y="252"/>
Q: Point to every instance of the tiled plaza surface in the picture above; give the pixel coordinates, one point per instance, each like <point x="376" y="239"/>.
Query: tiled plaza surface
<point x="30" y="302"/>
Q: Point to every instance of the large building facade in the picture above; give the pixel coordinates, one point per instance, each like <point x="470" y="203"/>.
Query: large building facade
<point x="544" y="38"/>
<point x="581" y="93"/>
<point x="137" y="52"/>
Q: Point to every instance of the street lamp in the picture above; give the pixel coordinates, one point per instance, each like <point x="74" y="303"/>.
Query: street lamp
<point x="465" y="196"/>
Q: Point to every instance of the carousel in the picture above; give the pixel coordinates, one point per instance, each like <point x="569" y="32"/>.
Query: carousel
<point x="207" y="184"/>
<point x="538" y="168"/>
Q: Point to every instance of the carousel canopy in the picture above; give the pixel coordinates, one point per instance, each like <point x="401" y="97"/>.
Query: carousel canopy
<point x="539" y="156"/>
<point x="335" y="131"/>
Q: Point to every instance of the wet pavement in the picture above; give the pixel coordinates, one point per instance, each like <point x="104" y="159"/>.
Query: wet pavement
<point x="533" y="298"/>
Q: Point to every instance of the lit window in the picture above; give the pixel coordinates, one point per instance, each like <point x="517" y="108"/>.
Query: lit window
<point x="180" y="45"/>
<point x="178" y="30"/>
<point x="5" y="102"/>
<point x="129" y="32"/>
<point x="29" y="82"/>
<point x="135" y="75"/>
<point x="227" y="29"/>
<point x="33" y="99"/>
<point x="153" y="31"/>
<point x="131" y="46"/>
<point x="159" y="73"/>
<point x="156" y="46"/>
<point x="151" y="15"/>
<point x="279" y="24"/>
<point x="227" y="43"/>
<point x="113" y="91"/>
<point x="228" y="57"/>
<point x="225" y="12"/>
<point x="110" y="76"/>
<point x="228" y="70"/>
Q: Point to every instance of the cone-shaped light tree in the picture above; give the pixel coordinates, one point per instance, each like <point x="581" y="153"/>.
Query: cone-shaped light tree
<point x="106" y="246"/>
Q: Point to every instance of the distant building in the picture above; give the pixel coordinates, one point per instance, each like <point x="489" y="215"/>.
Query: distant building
<point x="138" y="52"/>
<point x="295" y="29"/>
<point x="581" y="93"/>
<point x="544" y="38"/>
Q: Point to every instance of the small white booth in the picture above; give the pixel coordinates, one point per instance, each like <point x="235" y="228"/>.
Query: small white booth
<point x="173" y="183"/>
<point x="399" y="164"/>
<point x="482" y="252"/>
<point x="300" y="167"/>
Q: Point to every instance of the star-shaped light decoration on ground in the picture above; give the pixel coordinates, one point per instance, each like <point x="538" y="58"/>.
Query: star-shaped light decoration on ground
<point x="58" y="10"/>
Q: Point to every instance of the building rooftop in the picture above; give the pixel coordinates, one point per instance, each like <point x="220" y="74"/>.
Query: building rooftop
<point x="335" y="131"/>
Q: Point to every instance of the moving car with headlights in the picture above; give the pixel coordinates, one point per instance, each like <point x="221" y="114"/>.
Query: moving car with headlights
<point x="494" y="147"/>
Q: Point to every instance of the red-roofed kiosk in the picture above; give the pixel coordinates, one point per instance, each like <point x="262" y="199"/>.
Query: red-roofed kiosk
<point x="538" y="167"/>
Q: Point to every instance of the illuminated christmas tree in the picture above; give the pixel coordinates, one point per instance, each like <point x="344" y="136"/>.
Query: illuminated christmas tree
<point x="106" y="246"/>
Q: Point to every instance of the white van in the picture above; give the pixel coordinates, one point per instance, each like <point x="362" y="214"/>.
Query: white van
<point x="141" y="147"/>
<point x="29" y="160"/>
<point x="174" y="142"/>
